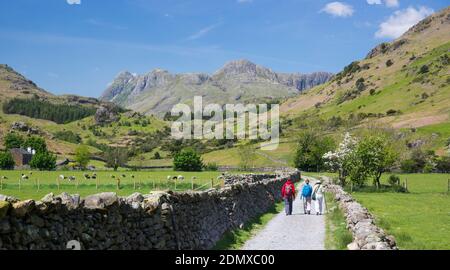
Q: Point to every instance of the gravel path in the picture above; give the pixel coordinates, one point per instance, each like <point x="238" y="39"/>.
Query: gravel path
<point x="296" y="232"/>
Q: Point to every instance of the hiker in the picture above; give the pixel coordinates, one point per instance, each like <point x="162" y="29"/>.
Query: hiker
<point x="288" y="194"/>
<point x="317" y="197"/>
<point x="306" y="196"/>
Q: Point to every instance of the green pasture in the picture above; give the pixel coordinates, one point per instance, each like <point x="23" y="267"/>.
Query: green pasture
<point x="419" y="219"/>
<point x="41" y="183"/>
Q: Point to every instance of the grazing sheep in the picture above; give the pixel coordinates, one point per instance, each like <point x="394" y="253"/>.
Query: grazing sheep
<point x="174" y="178"/>
<point x="4" y="177"/>
<point x="219" y="177"/>
<point x="169" y="177"/>
<point x="113" y="177"/>
<point x="72" y="178"/>
<point x="180" y="177"/>
<point x="94" y="176"/>
<point x="124" y="176"/>
<point x="24" y="177"/>
<point x="132" y="176"/>
<point x="62" y="177"/>
<point x="86" y="176"/>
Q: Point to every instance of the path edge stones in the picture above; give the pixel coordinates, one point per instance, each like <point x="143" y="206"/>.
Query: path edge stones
<point x="360" y="222"/>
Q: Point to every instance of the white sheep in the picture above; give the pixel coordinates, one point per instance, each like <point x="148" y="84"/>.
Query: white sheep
<point x="62" y="177"/>
<point x="180" y="178"/>
<point x="72" y="178"/>
<point x="169" y="177"/>
<point x="24" y="177"/>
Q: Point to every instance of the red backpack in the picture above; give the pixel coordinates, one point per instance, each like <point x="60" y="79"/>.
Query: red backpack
<point x="288" y="191"/>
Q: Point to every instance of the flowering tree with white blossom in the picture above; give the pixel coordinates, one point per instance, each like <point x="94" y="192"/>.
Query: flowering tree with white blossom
<point x="341" y="160"/>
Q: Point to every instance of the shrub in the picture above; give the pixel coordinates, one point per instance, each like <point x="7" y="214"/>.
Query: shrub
<point x="13" y="140"/>
<point x="187" y="160"/>
<point x="68" y="136"/>
<point x="36" y="143"/>
<point x="157" y="155"/>
<point x="389" y="63"/>
<point x="360" y="86"/>
<point x="443" y="164"/>
<point x="424" y="69"/>
<point x="409" y="166"/>
<point x="394" y="180"/>
<point x="212" y="167"/>
<point x="372" y="92"/>
<point x="43" y="161"/>
<point x="6" y="161"/>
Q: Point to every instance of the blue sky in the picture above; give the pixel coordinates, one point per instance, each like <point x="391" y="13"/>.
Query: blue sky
<point x="79" y="46"/>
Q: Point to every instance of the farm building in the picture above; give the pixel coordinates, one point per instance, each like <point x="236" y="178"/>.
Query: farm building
<point x="21" y="156"/>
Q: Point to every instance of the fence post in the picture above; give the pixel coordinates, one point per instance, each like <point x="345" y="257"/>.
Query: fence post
<point x="38" y="184"/>
<point x="406" y="184"/>
<point x="192" y="183"/>
<point x="96" y="183"/>
<point x="134" y="183"/>
<point x="212" y="182"/>
<point x="176" y="183"/>
<point x="78" y="182"/>
<point x="448" y="186"/>
<point x="20" y="183"/>
<point x="57" y="182"/>
<point x="1" y="183"/>
<point x="153" y="183"/>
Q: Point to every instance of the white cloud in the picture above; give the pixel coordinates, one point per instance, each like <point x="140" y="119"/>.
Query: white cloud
<point x="399" y="22"/>
<point x="203" y="32"/>
<point x="338" y="9"/>
<point x="374" y="2"/>
<point x="74" y="2"/>
<point x="392" y="3"/>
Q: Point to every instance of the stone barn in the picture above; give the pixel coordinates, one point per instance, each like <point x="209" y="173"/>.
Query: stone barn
<point x="21" y="156"/>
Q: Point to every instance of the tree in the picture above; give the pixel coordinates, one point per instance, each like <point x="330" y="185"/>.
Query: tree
<point x="116" y="157"/>
<point x="187" y="160"/>
<point x="13" y="140"/>
<point x="157" y="155"/>
<point x="373" y="156"/>
<point x="36" y="143"/>
<point x="341" y="160"/>
<point x="246" y="154"/>
<point x="43" y="161"/>
<point x="311" y="149"/>
<point x="6" y="161"/>
<point x="82" y="156"/>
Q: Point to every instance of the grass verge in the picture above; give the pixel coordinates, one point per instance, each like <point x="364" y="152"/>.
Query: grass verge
<point x="235" y="240"/>
<point x="337" y="237"/>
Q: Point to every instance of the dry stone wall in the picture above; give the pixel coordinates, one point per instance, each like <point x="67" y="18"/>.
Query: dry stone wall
<point x="366" y="235"/>
<point x="163" y="220"/>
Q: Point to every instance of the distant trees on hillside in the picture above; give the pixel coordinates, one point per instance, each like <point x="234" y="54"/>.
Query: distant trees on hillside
<point x="35" y="108"/>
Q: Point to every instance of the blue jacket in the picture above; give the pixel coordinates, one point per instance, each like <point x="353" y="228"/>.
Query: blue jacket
<point x="306" y="191"/>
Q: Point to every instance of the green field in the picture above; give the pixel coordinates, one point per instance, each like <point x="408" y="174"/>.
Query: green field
<point x="419" y="219"/>
<point x="143" y="182"/>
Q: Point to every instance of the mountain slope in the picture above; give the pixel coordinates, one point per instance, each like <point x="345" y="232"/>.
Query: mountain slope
<point x="127" y="130"/>
<point x="405" y="83"/>
<point x="237" y="82"/>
